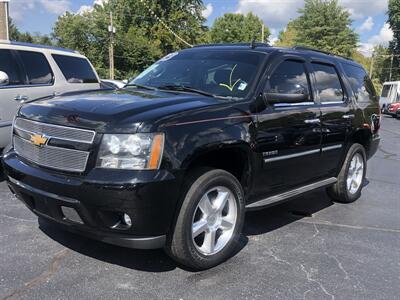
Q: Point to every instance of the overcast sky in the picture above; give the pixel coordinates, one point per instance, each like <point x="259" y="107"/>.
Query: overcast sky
<point x="369" y="15"/>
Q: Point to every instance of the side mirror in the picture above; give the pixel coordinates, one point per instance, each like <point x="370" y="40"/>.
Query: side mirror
<point x="4" y="80"/>
<point x="258" y="104"/>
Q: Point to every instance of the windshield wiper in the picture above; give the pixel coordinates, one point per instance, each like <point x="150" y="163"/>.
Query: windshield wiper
<point x="141" y="86"/>
<point x="182" y="88"/>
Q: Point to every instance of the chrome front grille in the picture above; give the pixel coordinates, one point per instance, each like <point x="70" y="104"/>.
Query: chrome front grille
<point x="55" y="131"/>
<point x="50" y="156"/>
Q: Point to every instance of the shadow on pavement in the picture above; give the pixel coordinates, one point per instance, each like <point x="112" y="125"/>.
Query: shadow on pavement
<point x="257" y="223"/>
<point x="271" y="218"/>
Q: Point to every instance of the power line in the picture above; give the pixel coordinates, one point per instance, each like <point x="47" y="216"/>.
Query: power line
<point x="164" y="24"/>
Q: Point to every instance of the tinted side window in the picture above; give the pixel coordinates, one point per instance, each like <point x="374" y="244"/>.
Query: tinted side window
<point x="385" y="89"/>
<point x="9" y="65"/>
<point x="360" y="83"/>
<point x="75" y="69"/>
<point x="289" y="78"/>
<point x="328" y="83"/>
<point x="37" y="67"/>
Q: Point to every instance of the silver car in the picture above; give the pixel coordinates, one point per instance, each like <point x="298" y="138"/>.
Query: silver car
<point x="29" y="72"/>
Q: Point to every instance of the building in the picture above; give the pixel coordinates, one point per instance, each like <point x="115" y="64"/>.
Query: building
<point x="4" y="34"/>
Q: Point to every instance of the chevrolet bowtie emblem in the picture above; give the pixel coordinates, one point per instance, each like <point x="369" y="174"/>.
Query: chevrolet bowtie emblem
<point x="38" y="140"/>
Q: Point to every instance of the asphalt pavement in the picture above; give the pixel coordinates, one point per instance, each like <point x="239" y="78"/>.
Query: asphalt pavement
<point x="308" y="248"/>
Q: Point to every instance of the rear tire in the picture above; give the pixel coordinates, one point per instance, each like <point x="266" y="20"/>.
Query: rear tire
<point x="210" y="220"/>
<point x="351" y="177"/>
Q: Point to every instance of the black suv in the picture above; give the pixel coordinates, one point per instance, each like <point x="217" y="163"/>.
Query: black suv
<point x="175" y="158"/>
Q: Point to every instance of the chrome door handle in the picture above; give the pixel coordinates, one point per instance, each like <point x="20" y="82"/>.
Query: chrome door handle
<point x="312" y="121"/>
<point x="21" y="98"/>
<point x="349" y="116"/>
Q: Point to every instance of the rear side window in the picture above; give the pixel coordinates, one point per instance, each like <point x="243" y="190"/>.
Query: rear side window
<point x="385" y="90"/>
<point x="290" y="77"/>
<point x="36" y="67"/>
<point x="328" y="83"/>
<point x="9" y="65"/>
<point x="75" y="69"/>
<point x="361" y="83"/>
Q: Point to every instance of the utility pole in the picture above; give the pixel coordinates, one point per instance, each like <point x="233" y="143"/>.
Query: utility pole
<point x="262" y="33"/>
<point x="4" y="13"/>
<point x="111" y="30"/>
<point x="371" y="70"/>
<point x="391" y="67"/>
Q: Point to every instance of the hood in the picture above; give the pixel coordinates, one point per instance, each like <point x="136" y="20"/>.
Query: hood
<point x="108" y="111"/>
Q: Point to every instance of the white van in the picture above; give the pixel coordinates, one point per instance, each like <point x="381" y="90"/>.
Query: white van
<point x="390" y="94"/>
<point x="29" y="72"/>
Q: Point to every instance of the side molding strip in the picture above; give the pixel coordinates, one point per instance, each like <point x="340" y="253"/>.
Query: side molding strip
<point x="283" y="157"/>
<point x="331" y="148"/>
<point x="292" y="155"/>
<point x="292" y="193"/>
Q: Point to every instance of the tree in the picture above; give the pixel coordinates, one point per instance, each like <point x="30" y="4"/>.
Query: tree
<point x="287" y="37"/>
<point x="394" y="46"/>
<point x="25" y="37"/>
<point x="382" y="64"/>
<point x="236" y="28"/>
<point x="143" y="32"/>
<point x="325" y="25"/>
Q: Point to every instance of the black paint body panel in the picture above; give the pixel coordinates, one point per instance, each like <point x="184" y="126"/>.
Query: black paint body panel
<point x="194" y="126"/>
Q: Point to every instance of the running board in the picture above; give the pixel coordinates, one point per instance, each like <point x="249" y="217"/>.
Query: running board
<point x="292" y="193"/>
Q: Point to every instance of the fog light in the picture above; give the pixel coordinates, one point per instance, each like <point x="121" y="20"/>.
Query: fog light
<point x="127" y="220"/>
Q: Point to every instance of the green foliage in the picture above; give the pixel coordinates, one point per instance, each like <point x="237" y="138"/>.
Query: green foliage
<point x="361" y="59"/>
<point x="394" y="46"/>
<point x="382" y="64"/>
<point x="136" y="52"/>
<point x="236" y="28"/>
<point x="287" y="37"/>
<point x="140" y="37"/>
<point x="25" y="37"/>
<point x="325" y="25"/>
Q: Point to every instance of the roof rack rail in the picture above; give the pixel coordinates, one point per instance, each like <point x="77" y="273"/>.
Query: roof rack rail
<point x="320" y="51"/>
<point x="251" y="44"/>
<point x="37" y="46"/>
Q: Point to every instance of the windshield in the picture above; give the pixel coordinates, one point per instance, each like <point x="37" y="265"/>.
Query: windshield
<point x="218" y="73"/>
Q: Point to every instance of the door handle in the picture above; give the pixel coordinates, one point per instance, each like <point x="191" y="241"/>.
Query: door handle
<point x="351" y="116"/>
<point x="21" y="98"/>
<point x="312" y="121"/>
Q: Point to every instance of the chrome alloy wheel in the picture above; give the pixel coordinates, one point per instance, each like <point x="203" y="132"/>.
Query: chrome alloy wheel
<point x="214" y="220"/>
<point x="355" y="174"/>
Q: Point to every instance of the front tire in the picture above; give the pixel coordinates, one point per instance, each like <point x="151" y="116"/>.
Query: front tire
<point x="210" y="220"/>
<point x="351" y="177"/>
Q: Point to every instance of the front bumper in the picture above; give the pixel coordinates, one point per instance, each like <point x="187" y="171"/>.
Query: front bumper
<point x="98" y="198"/>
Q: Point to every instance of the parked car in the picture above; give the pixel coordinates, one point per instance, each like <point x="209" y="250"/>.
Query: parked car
<point x="29" y="72"/>
<point x="175" y="158"/>
<point x="390" y="94"/>
<point x="394" y="110"/>
<point x="113" y="84"/>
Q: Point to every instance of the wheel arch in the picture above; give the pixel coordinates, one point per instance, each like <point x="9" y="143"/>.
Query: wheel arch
<point x="235" y="158"/>
<point x="362" y="136"/>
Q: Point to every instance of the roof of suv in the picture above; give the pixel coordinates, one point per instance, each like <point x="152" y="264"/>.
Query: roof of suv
<point x="37" y="46"/>
<point x="263" y="47"/>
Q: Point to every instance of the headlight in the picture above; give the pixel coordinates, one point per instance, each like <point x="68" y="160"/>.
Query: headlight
<point x="140" y="151"/>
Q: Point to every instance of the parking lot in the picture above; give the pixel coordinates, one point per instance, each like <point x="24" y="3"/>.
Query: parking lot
<point x="308" y="248"/>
